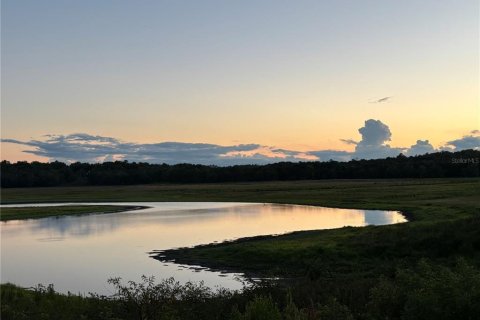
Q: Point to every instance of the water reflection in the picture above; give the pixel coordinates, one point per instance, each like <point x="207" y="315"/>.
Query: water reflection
<point x="376" y="217"/>
<point x="79" y="253"/>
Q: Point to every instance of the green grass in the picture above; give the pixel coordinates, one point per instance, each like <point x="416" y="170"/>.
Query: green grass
<point x="437" y="198"/>
<point x="11" y="213"/>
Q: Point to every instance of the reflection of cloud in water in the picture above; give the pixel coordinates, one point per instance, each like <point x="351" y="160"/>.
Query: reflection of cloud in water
<point x="50" y="239"/>
<point x="76" y="225"/>
<point x="86" y="225"/>
<point x="376" y="217"/>
<point x="166" y="214"/>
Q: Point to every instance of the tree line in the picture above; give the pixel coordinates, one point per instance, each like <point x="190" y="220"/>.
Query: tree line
<point x="464" y="163"/>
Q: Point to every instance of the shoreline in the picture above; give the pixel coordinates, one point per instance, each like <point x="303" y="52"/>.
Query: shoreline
<point x="40" y="212"/>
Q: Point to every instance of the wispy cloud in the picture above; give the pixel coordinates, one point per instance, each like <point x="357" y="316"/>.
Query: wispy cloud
<point x="349" y="141"/>
<point x="84" y="147"/>
<point x="381" y="100"/>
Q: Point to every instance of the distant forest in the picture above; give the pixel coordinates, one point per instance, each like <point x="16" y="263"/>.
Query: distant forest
<point x="435" y="165"/>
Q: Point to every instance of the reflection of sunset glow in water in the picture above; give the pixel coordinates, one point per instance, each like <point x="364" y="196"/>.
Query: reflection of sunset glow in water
<point x="79" y="253"/>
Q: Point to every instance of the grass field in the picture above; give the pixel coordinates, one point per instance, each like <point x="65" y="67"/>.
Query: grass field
<point x="421" y="199"/>
<point x="16" y="213"/>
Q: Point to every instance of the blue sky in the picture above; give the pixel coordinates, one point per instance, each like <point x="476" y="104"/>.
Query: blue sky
<point x="296" y="76"/>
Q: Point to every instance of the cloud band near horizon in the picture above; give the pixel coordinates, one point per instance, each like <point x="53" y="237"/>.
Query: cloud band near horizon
<point x="84" y="147"/>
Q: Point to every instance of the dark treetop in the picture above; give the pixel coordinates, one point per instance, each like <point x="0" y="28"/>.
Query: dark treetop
<point x="435" y="165"/>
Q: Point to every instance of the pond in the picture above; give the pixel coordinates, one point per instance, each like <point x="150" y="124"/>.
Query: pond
<point x="79" y="253"/>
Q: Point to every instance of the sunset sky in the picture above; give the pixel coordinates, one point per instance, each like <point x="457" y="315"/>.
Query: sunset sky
<point x="223" y="82"/>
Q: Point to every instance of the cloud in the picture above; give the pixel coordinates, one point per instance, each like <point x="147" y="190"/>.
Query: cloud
<point x="373" y="145"/>
<point x="349" y="141"/>
<point x="421" y="147"/>
<point x="88" y="148"/>
<point x="375" y="132"/>
<point x="84" y="147"/>
<point x="326" y="155"/>
<point x="381" y="100"/>
<point x="471" y="141"/>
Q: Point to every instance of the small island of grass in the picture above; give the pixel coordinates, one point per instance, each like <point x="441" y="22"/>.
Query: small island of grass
<point x="35" y="212"/>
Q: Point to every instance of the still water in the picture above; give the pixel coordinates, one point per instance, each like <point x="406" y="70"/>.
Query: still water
<point x="79" y="253"/>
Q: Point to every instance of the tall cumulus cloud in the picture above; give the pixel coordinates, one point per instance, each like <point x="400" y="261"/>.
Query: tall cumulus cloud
<point x="375" y="135"/>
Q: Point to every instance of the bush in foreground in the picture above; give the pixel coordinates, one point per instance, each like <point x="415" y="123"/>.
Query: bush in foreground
<point x="425" y="291"/>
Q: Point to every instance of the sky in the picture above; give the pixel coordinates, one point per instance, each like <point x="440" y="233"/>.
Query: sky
<point x="227" y="82"/>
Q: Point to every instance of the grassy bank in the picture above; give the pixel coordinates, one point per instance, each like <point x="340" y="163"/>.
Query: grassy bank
<point x="445" y="223"/>
<point x="16" y="213"/>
